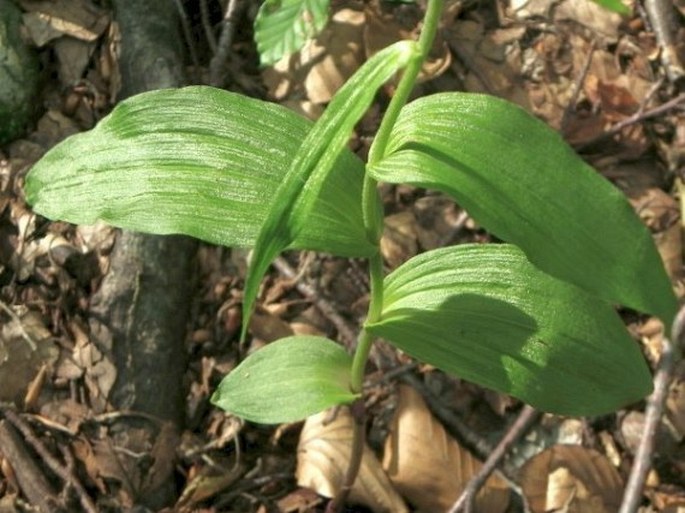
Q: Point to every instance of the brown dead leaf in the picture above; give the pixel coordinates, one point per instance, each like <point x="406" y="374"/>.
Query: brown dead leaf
<point x="400" y="238"/>
<point x="385" y="28"/>
<point x="323" y="454"/>
<point x="660" y="212"/>
<point x="675" y="402"/>
<point x="572" y="479"/>
<point x="430" y="468"/>
<point x="268" y="327"/>
<point x="49" y="19"/>
<point x="602" y="22"/>
<point x="301" y="500"/>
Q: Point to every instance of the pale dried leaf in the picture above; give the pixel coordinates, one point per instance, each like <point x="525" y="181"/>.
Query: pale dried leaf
<point x="430" y="468"/>
<point x="323" y="455"/>
<point x="53" y="18"/>
<point x="572" y="479"/>
<point x="400" y="238"/>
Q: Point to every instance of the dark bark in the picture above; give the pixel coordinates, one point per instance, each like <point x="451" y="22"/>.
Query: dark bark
<point x="139" y="315"/>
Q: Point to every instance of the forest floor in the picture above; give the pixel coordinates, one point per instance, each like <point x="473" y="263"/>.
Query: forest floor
<point x="599" y="79"/>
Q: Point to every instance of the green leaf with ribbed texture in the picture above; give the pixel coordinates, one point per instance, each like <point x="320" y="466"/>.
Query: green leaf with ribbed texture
<point x="297" y="199"/>
<point x="284" y="26"/>
<point x="486" y="314"/>
<point x="523" y="183"/>
<point x="198" y="161"/>
<point x="287" y="381"/>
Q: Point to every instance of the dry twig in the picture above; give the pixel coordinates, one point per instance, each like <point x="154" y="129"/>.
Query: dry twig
<point x="64" y="473"/>
<point x="216" y="65"/>
<point x="640" y="115"/>
<point x="526" y="418"/>
<point x="670" y="355"/>
<point x="661" y="17"/>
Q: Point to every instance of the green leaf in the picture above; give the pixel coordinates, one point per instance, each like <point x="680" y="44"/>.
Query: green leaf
<point x="614" y="5"/>
<point x="198" y="161"/>
<point x="522" y="182"/>
<point x="287" y="381"/>
<point x="296" y="202"/>
<point x="484" y="313"/>
<point x="283" y="26"/>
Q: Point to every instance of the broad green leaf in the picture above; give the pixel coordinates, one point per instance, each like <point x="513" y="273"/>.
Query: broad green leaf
<point x="296" y="201"/>
<point x="522" y="182"/>
<point x="486" y="314"/>
<point x="287" y="381"/>
<point x="283" y="26"/>
<point x="198" y="161"/>
<point x="614" y="5"/>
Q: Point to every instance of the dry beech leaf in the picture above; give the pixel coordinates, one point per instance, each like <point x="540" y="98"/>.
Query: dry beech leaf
<point x="322" y="458"/>
<point x="383" y="29"/>
<point x="675" y="402"/>
<point x="430" y="468"/>
<point x="400" y="238"/>
<point x="572" y="479"/>
<point x="660" y="212"/>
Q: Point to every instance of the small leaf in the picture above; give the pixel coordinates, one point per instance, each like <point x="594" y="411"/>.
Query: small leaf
<point x="484" y="313"/>
<point x="615" y="6"/>
<point x="287" y="380"/>
<point x="198" y="161"/>
<point x="522" y="182"/>
<point x="284" y="26"/>
<point x="297" y="201"/>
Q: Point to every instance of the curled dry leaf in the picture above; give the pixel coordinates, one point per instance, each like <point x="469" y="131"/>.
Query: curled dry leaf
<point x="323" y="455"/>
<point x="429" y="467"/>
<point x="572" y="479"/>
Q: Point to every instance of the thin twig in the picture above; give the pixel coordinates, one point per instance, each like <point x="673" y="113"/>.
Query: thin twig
<point x="661" y="17"/>
<point x="670" y="355"/>
<point x="207" y="26"/>
<point x="578" y="86"/>
<point x="311" y="292"/>
<point x="216" y="65"/>
<point x="522" y="423"/>
<point x="60" y="470"/>
<point x="187" y="34"/>
<point x="636" y="118"/>
<point x="24" y="334"/>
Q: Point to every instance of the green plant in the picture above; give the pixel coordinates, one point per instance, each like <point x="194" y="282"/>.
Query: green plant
<point x="284" y="26"/>
<point x="532" y="318"/>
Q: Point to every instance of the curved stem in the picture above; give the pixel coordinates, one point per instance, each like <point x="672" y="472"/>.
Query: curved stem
<point x="372" y="214"/>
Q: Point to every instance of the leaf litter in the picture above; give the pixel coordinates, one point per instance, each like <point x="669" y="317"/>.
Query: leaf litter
<point x="586" y="72"/>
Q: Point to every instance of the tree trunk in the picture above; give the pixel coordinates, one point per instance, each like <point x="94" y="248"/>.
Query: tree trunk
<point x="139" y="315"/>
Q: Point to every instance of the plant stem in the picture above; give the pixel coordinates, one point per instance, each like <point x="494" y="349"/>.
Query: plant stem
<point x="374" y="227"/>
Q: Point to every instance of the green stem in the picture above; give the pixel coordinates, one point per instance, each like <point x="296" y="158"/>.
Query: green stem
<point x="370" y="199"/>
<point x="373" y="223"/>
